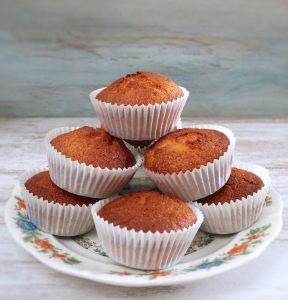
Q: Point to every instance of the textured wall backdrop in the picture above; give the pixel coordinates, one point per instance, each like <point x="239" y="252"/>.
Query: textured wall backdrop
<point x="231" y="55"/>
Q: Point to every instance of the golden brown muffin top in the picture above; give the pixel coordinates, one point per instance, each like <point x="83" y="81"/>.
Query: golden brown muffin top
<point x="185" y="149"/>
<point x="148" y="211"/>
<point x="241" y="183"/>
<point x="41" y="185"/>
<point x="94" y="146"/>
<point x="141" y="88"/>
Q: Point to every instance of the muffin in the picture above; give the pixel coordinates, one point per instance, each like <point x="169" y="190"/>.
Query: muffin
<point x="94" y="146"/>
<point x="186" y="149"/>
<point x="146" y="230"/>
<point x="52" y="209"/>
<point x="240" y="185"/>
<point x="141" y="88"/>
<point x="191" y="163"/>
<point x="238" y="204"/>
<point x="42" y="186"/>
<point x="140" y="106"/>
<point x="148" y="211"/>
<point x="89" y="161"/>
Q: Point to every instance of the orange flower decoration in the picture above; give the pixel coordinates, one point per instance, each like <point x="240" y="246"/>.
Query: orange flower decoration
<point x="21" y="204"/>
<point x="237" y="249"/>
<point x="159" y="273"/>
<point x="254" y="237"/>
<point x="44" y="244"/>
<point x="61" y="256"/>
<point x="124" y="273"/>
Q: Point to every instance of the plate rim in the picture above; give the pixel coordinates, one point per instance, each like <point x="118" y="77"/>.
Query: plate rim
<point x="110" y="280"/>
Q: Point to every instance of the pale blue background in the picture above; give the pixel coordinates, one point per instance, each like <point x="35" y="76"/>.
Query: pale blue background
<point x="231" y="55"/>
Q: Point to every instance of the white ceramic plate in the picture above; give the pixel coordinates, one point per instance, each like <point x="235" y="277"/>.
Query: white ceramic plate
<point x="82" y="256"/>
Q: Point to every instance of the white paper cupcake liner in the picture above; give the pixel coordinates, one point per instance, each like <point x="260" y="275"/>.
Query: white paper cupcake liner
<point x="138" y="122"/>
<point x="235" y="216"/>
<point x="144" y="250"/>
<point x="198" y="183"/>
<point x="83" y="180"/>
<point x="179" y="124"/>
<point x="142" y="150"/>
<point x="55" y="218"/>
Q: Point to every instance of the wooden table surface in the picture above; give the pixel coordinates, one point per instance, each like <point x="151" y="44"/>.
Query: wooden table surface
<point x="231" y="54"/>
<point x="264" y="142"/>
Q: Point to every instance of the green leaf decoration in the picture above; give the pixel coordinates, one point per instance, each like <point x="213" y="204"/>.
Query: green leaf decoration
<point x="44" y="251"/>
<point x="71" y="261"/>
<point x="254" y="231"/>
<point x="265" y="227"/>
<point x="22" y="215"/>
<point x="27" y="238"/>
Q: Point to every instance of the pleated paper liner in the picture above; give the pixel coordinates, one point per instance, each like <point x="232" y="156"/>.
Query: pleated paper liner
<point x="142" y="150"/>
<point x="235" y="216"/>
<point x="83" y="180"/>
<point x="198" y="183"/>
<point x="139" y="122"/>
<point x="144" y="250"/>
<point x="55" y="218"/>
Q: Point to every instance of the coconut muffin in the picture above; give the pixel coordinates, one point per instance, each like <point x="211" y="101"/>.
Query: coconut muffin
<point x="141" y="88"/>
<point x="239" y="203"/>
<point x="148" y="211"/>
<point x="186" y="149"/>
<point x="191" y="163"/>
<point x="146" y="230"/>
<point x="139" y="107"/>
<point x="89" y="162"/>
<point x="240" y="184"/>
<point x="52" y="209"/>
<point x="94" y="146"/>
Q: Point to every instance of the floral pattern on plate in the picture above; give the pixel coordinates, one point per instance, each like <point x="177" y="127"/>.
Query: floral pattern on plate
<point x="202" y="239"/>
<point x="253" y="237"/>
<point x="31" y="234"/>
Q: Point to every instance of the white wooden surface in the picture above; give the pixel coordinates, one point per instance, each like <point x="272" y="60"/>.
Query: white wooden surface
<point x="263" y="142"/>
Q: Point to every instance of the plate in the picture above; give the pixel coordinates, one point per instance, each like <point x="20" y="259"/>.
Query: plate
<point x="82" y="256"/>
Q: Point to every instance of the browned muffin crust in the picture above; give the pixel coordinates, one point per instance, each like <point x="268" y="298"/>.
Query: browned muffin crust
<point x="185" y="149"/>
<point x="148" y="211"/>
<point x="41" y="185"/>
<point x="94" y="146"/>
<point x="141" y="88"/>
<point x="241" y="183"/>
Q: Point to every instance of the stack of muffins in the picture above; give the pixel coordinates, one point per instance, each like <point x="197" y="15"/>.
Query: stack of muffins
<point x="192" y="167"/>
